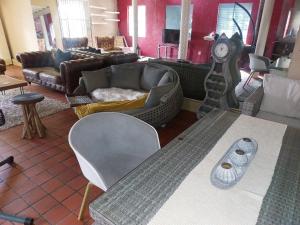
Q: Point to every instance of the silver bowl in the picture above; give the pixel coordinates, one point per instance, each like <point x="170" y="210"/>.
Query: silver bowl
<point x="226" y="173"/>
<point x="239" y="157"/>
<point x="247" y="145"/>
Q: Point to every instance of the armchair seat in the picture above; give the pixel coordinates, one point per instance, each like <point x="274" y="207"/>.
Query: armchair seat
<point x="293" y="122"/>
<point x="50" y="75"/>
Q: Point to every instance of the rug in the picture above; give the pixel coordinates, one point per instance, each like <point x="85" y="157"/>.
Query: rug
<point x="14" y="115"/>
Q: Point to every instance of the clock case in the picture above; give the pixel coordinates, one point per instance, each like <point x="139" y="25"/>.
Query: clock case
<point x="223" y="77"/>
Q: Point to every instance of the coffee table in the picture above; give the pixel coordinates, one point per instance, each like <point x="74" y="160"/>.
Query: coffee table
<point x="7" y="83"/>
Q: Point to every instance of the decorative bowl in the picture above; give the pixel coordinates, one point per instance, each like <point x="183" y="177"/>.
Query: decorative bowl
<point x="247" y="145"/>
<point x="239" y="157"/>
<point x="226" y="173"/>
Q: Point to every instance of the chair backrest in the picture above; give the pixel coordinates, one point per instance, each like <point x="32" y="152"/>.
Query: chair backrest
<point x="259" y="63"/>
<point x="108" y="145"/>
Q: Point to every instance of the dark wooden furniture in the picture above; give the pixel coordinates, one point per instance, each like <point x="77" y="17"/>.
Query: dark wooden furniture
<point x="32" y="122"/>
<point x="7" y="83"/>
<point x="2" y="66"/>
<point x="282" y="48"/>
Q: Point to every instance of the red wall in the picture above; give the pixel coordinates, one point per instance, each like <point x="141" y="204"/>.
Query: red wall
<point x="204" y="22"/>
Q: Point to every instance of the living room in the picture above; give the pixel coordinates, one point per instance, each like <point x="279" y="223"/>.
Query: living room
<point x="149" y="112"/>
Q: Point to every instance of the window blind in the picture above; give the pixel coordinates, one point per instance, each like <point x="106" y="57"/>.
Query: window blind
<point x="228" y="11"/>
<point x="73" y="18"/>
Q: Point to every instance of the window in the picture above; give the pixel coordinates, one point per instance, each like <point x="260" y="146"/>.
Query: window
<point x="173" y="17"/>
<point x="228" y="11"/>
<point x="74" y="22"/>
<point x="141" y="20"/>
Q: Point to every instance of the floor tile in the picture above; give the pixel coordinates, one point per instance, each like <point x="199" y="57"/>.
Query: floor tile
<point x="45" y="204"/>
<point x="62" y="193"/>
<point x="56" y="214"/>
<point x="34" y="195"/>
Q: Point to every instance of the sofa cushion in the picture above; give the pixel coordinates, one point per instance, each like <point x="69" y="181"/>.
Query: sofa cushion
<point x="165" y="79"/>
<point x="281" y="96"/>
<point x="95" y="79"/>
<point x="151" y="76"/>
<point x="126" y="76"/>
<point x="60" y="57"/>
<point x="156" y="93"/>
<point x="50" y="74"/>
<point x="293" y="122"/>
<point x="33" y="73"/>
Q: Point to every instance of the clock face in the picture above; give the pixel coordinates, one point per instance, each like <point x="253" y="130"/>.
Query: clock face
<point x="221" y="50"/>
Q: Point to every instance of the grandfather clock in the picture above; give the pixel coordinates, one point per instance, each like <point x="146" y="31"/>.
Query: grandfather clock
<point x="224" y="75"/>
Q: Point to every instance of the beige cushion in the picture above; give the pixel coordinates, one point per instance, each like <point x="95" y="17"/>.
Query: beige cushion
<point x="281" y="96"/>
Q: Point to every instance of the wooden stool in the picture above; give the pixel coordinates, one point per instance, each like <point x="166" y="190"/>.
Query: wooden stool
<point x="32" y="122"/>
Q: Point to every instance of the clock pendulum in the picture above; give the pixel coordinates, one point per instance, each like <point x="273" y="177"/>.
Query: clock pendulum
<point x="224" y="75"/>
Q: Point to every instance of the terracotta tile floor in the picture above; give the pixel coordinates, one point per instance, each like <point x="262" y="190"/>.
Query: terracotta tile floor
<point x="46" y="182"/>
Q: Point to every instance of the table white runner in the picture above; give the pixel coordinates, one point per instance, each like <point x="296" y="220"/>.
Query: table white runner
<point x="197" y="201"/>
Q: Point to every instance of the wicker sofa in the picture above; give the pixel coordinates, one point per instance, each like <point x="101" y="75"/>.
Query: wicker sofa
<point x="191" y="77"/>
<point x="252" y="107"/>
<point x="159" y="114"/>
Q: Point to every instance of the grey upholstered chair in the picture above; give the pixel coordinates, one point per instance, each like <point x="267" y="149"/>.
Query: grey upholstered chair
<point x="258" y="64"/>
<point x="108" y="145"/>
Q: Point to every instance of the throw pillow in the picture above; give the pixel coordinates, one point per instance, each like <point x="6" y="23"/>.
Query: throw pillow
<point x="156" y="93"/>
<point x="60" y="57"/>
<point x="151" y="76"/>
<point x="95" y="79"/>
<point x="126" y="76"/>
<point x="281" y="96"/>
<point x="165" y="79"/>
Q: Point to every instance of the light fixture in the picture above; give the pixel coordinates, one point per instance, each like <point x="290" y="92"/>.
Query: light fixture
<point x="99" y="23"/>
<point x="97" y="7"/>
<point x="96" y="14"/>
<point x="112" y="12"/>
<point x="114" y="20"/>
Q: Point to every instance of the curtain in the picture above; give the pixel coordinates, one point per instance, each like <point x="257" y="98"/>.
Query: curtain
<point x="228" y="11"/>
<point x="73" y="18"/>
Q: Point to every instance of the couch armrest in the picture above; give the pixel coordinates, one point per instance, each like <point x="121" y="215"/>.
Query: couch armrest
<point x="252" y="104"/>
<point x="71" y="71"/>
<point x="35" y="59"/>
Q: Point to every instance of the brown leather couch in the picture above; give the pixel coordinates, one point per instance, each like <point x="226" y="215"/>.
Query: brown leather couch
<point x="2" y="66"/>
<point x="75" y="42"/>
<point x="38" y="67"/>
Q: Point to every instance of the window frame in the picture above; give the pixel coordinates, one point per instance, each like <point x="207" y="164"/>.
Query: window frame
<point x="141" y="32"/>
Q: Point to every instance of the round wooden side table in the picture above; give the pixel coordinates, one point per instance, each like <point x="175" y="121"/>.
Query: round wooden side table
<point x="32" y="122"/>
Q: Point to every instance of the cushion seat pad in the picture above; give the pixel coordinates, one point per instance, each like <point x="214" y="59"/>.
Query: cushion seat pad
<point x="115" y="94"/>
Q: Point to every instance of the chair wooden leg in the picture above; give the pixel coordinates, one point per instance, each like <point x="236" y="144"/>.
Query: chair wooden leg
<point x="84" y="200"/>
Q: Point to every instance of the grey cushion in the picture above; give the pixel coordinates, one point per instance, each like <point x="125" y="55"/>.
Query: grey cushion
<point x="95" y="79"/>
<point x="165" y="79"/>
<point x="290" y="121"/>
<point x="126" y="76"/>
<point x="151" y="76"/>
<point x="156" y="93"/>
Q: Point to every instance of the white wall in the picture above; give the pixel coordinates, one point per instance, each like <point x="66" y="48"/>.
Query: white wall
<point x="110" y="29"/>
<point x="4" y="51"/>
<point x="18" y="22"/>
